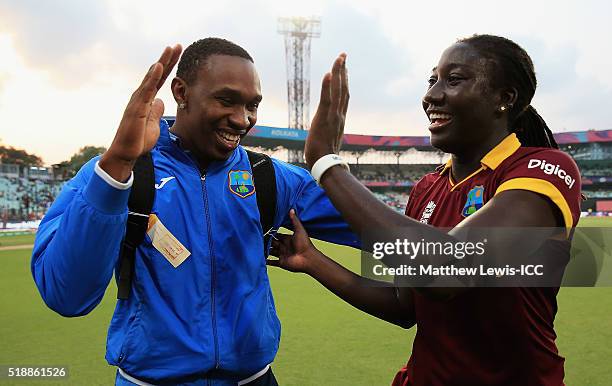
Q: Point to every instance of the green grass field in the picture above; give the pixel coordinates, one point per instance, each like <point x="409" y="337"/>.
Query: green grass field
<point x="16" y="240"/>
<point x="324" y="342"/>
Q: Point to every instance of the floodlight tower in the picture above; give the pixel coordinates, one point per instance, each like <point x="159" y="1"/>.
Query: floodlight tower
<point x="298" y="32"/>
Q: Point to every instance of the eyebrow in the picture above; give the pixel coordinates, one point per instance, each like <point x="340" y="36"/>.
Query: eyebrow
<point x="452" y="65"/>
<point x="236" y="94"/>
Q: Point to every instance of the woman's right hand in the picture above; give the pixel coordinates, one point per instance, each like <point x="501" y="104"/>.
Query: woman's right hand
<point x="327" y="128"/>
<point x="295" y="252"/>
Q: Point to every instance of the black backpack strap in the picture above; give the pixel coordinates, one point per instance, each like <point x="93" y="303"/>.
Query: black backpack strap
<point x="140" y="204"/>
<point x="264" y="178"/>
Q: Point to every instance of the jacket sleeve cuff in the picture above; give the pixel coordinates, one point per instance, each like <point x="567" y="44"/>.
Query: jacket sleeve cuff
<point x="111" y="181"/>
<point x="106" y="194"/>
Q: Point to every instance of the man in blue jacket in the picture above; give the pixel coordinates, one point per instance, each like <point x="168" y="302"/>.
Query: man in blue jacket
<point x="200" y="310"/>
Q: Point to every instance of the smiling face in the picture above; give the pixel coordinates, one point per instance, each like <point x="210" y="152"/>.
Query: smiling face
<point x="221" y="106"/>
<point x="460" y="102"/>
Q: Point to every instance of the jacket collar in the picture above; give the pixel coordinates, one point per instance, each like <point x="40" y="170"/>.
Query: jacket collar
<point x="169" y="140"/>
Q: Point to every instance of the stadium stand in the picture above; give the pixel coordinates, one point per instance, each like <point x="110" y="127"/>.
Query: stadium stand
<point x="387" y="165"/>
<point x="600" y="193"/>
<point x="395" y="200"/>
<point x="26" y="194"/>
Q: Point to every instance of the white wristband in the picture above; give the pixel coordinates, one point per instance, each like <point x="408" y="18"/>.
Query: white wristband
<point x="324" y="163"/>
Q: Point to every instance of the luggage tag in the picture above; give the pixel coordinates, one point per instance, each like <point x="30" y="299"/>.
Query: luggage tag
<point x="165" y="242"/>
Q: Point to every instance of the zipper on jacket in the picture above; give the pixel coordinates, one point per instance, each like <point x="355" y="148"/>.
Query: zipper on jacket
<point x="212" y="268"/>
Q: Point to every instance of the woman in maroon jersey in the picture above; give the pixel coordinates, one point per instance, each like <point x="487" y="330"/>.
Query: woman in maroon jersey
<point x="505" y="170"/>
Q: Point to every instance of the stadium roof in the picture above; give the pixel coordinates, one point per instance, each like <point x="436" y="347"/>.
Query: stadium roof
<point x="272" y="137"/>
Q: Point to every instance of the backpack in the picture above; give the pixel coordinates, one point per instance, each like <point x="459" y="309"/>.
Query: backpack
<point x="141" y="200"/>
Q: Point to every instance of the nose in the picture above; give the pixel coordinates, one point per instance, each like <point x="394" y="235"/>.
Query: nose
<point x="241" y="118"/>
<point x="434" y="95"/>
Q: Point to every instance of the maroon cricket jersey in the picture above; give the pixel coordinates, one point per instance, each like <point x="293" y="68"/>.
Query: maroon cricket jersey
<point x="490" y="336"/>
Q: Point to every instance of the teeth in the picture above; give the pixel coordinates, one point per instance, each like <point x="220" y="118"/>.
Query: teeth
<point x="229" y="137"/>
<point x="434" y="116"/>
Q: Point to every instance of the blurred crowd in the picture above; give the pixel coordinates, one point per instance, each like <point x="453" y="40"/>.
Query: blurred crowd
<point x="24" y="199"/>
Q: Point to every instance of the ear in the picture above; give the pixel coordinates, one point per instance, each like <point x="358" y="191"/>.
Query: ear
<point x="179" y="90"/>
<point x="508" y="97"/>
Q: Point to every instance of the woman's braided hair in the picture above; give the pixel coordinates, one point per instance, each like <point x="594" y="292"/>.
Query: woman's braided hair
<point x="514" y="68"/>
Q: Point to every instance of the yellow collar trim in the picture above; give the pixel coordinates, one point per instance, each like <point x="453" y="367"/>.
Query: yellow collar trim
<point x="503" y="150"/>
<point x="497" y="155"/>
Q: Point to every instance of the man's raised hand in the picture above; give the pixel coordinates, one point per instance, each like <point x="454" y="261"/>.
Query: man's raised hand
<point x="139" y="128"/>
<point x="327" y="127"/>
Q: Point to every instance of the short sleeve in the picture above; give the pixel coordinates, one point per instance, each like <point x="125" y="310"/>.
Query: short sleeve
<point x="551" y="173"/>
<point x="416" y="191"/>
<point x="412" y="197"/>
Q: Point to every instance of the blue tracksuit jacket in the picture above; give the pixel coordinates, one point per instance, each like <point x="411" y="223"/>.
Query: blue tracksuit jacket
<point x="215" y="311"/>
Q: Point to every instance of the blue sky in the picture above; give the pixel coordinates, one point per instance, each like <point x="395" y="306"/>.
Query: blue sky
<point x="68" y="67"/>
